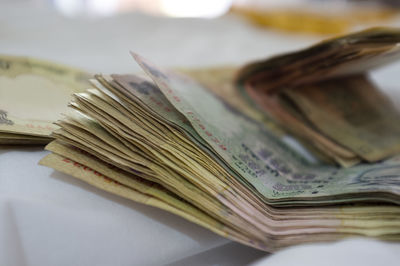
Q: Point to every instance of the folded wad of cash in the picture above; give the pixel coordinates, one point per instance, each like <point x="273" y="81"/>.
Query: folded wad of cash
<point x="192" y="145"/>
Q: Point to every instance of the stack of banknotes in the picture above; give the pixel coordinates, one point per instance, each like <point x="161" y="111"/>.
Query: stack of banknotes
<point x="323" y="95"/>
<point x="192" y="145"/>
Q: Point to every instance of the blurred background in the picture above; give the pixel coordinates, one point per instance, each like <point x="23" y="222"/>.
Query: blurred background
<point x="97" y="35"/>
<point x="309" y="16"/>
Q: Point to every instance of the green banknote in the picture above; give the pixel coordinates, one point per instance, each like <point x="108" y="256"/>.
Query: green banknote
<point x="278" y="173"/>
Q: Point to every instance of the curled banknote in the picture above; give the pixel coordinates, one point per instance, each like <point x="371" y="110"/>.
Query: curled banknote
<point x="323" y="95"/>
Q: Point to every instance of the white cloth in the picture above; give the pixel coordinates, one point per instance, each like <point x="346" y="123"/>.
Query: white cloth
<point x="48" y="218"/>
<point x="347" y="252"/>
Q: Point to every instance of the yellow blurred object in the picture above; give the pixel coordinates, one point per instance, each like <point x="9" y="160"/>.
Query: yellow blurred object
<point x="312" y="22"/>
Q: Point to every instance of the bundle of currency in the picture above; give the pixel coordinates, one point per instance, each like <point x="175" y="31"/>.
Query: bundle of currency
<point x="165" y="140"/>
<point x="322" y="95"/>
<point x="33" y="93"/>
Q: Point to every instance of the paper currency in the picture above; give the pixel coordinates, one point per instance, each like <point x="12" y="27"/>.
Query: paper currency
<point x="167" y="141"/>
<point x="322" y="95"/>
<point x="33" y="94"/>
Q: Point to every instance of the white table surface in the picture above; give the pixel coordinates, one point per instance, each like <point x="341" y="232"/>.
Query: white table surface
<point x="48" y="218"/>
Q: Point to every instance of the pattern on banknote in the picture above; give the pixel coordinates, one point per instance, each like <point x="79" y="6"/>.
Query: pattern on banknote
<point x="381" y="176"/>
<point x="4" y="119"/>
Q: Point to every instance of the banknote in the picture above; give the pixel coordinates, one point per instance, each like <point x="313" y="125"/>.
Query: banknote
<point x="34" y="93"/>
<point x="118" y="123"/>
<point x="22" y="139"/>
<point x="340" y="56"/>
<point x="189" y="144"/>
<point x="289" y="116"/>
<point x="275" y="170"/>
<point x="354" y="113"/>
<point x="322" y="95"/>
<point x="220" y="80"/>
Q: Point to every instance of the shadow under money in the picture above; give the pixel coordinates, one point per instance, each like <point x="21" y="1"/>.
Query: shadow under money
<point x="195" y="232"/>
